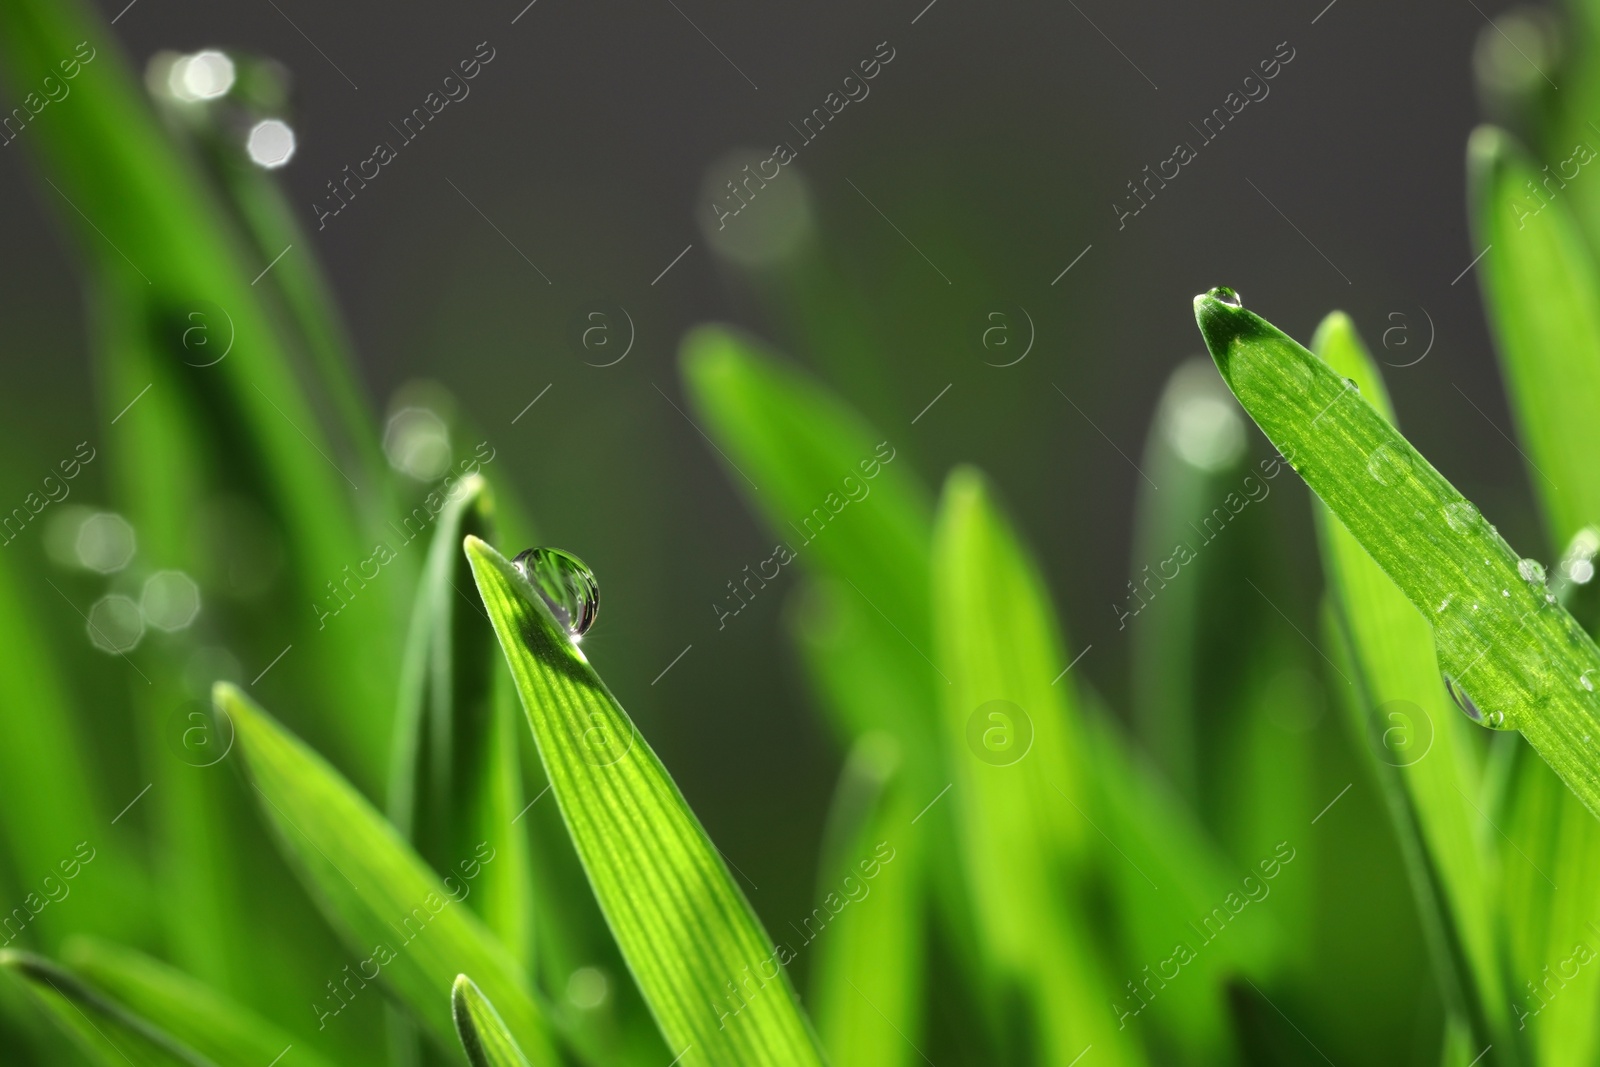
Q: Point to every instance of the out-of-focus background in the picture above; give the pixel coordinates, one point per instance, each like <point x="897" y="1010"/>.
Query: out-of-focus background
<point x="974" y="205"/>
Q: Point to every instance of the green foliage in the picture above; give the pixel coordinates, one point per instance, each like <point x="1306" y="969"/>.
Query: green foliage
<point x="684" y="927"/>
<point x="1006" y="875"/>
<point x="399" y="918"/>
<point x="483" y="1033"/>
<point x="1499" y="635"/>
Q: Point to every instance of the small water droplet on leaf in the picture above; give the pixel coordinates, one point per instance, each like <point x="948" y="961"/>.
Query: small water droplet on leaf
<point x="1222" y="294"/>
<point x="1532" y="571"/>
<point x="1462" y="516"/>
<point x="566" y="585"/>
<point x="1389" y="465"/>
<point x="1495" y="720"/>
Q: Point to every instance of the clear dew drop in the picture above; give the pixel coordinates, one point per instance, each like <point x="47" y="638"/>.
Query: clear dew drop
<point x="1462" y="516"/>
<point x="1495" y="720"/>
<point x="1223" y="295"/>
<point x="566" y="585"/>
<point x="1583" y="680"/>
<point x="1389" y="465"/>
<point x="1532" y="571"/>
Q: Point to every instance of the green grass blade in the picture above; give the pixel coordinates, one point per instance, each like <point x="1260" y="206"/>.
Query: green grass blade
<point x="1517" y="655"/>
<point x="1549" y="894"/>
<point x="867" y="983"/>
<point x="684" y="927"/>
<point x="191" y="1011"/>
<point x="483" y="1033"/>
<point x="1167" y="879"/>
<point x="817" y="466"/>
<point x="1194" y="452"/>
<point x="398" y="915"/>
<point x="1023" y="831"/>
<point x="108" y="1033"/>
<point x="1417" y="739"/>
<point x="455" y="778"/>
<point x="1542" y="291"/>
<point x="842" y="498"/>
<point x="45" y="765"/>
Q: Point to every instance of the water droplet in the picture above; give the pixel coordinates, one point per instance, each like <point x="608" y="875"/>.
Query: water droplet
<point x="1389" y="464"/>
<point x="1577" y="565"/>
<point x="566" y="585"/>
<point x="1532" y="571"/>
<point x="1495" y="720"/>
<point x="1583" y="680"/>
<point x="1223" y="295"/>
<point x="1462" y="516"/>
<point x="1350" y="384"/>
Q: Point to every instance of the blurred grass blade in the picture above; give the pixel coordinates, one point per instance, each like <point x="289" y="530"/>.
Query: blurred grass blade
<point x="1419" y="743"/>
<point x="392" y="910"/>
<point x="1519" y="659"/>
<point x="46" y="766"/>
<point x="1166" y="874"/>
<point x="841" y="498"/>
<point x="809" y="453"/>
<point x="1021" y="783"/>
<point x="867" y="983"/>
<point x="455" y="779"/>
<point x="1542" y="293"/>
<point x="684" y="927"/>
<point x="1549" y="894"/>
<point x="191" y="1011"/>
<point x="108" y="1033"/>
<point x="483" y="1033"/>
<point x="1194" y="452"/>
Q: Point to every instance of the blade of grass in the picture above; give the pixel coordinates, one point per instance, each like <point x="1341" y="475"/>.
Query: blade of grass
<point x="1167" y="877"/>
<point x="392" y="910"/>
<point x="1188" y="454"/>
<point x="840" y="496"/>
<point x="191" y="1011"/>
<point x="45" y="766"/>
<point x="1550" y="882"/>
<point x="483" y="1033"/>
<point x="162" y="249"/>
<point x="1418" y="742"/>
<point x="1023" y="844"/>
<point x="1518" y="656"/>
<point x="1541" y="288"/>
<point x="867" y="982"/>
<point x="455" y="778"/>
<point x="810" y="453"/>
<point x="108" y="1033"/>
<point x="683" y="925"/>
